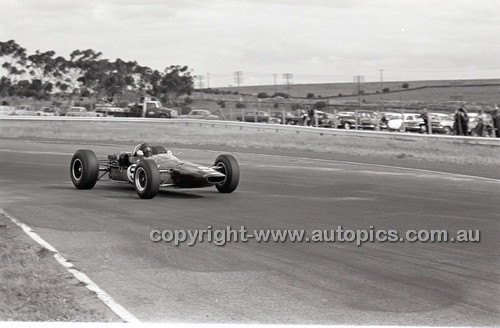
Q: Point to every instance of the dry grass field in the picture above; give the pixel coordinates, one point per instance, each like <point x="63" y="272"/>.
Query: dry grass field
<point x="472" y="91"/>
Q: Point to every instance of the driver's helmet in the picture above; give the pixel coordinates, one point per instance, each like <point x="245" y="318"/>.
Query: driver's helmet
<point x="145" y="148"/>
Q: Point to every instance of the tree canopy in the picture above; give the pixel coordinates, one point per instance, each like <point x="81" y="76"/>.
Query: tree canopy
<point x="86" y="73"/>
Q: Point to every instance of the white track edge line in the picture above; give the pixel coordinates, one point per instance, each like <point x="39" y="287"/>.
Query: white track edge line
<point x="119" y="310"/>
<point x="402" y="168"/>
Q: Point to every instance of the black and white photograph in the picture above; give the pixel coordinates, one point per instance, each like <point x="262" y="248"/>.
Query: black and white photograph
<point x="250" y="163"/>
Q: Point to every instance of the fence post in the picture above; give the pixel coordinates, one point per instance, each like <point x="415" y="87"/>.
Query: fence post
<point x="377" y="113"/>
<point x="429" y="123"/>
<point x="403" y="128"/>
<point x="356" y="119"/>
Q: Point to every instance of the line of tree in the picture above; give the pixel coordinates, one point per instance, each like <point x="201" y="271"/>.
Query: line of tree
<point x="85" y="73"/>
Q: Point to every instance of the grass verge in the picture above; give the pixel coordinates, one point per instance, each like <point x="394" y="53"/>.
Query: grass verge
<point x="36" y="288"/>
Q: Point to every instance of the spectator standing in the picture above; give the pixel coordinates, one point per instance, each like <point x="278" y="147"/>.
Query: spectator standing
<point x="425" y="117"/>
<point x="496" y="122"/>
<point x="480" y="124"/>
<point x="461" y="122"/>
<point x="311" y="116"/>
<point x="303" y="117"/>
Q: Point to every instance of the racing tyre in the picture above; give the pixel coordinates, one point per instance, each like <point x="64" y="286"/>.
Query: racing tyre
<point x="147" y="179"/>
<point x="84" y="169"/>
<point x="347" y="125"/>
<point x="228" y="165"/>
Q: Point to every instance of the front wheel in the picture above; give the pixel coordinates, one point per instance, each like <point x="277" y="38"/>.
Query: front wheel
<point x="347" y="125"/>
<point x="228" y="165"/>
<point x="84" y="169"/>
<point x="147" y="179"/>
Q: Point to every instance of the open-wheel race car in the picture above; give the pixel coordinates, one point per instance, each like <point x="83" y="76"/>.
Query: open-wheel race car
<point x="149" y="168"/>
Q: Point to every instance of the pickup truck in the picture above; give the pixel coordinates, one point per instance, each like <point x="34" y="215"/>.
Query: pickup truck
<point x="154" y="108"/>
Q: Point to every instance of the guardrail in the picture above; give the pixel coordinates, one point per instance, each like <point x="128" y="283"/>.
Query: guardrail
<point x="276" y="127"/>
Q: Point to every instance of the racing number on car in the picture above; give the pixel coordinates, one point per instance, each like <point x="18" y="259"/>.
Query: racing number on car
<point x="131" y="172"/>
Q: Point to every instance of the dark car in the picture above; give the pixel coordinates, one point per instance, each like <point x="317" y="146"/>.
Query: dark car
<point x="290" y="118"/>
<point x="150" y="168"/>
<point x="325" y="120"/>
<point x="364" y="119"/>
<point x="258" y="117"/>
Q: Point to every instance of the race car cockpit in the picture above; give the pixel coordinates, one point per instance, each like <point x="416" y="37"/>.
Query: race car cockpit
<point x="143" y="149"/>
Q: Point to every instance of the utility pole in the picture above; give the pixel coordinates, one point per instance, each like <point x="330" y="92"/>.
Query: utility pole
<point x="238" y="79"/>
<point x="275" y="89"/>
<point x="358" y="79"/>
<point x="200" y="84"/>
<point x="381" y="97"/>
<point x="208" y="80"/>
<point x="382" y="88"/>
<point x="288" y="77"/>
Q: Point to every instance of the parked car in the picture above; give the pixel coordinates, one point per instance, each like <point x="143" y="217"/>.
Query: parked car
<point x="386" y="117"/>
<point x="474" y="119"/>
<point x="47" y="111"/>
<point x="365" y="120"/>
<point x="6" y="110"/>
<point x="442" y="123"/>
<point x="24" y="110"/>
<point x="412" y="122"/>
<point x="200" y="114"/>
<point x="258" y="117"/>
<point x="110" y="111"/>
<point x="325" y="120"/>
<point x="290" y="118"/>
<point x="78" y="111"/>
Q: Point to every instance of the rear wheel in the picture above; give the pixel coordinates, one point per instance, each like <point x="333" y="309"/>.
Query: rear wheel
<point x="228" y="165"/>
<point x="147" y="179"/>
<point x="347" y="125"/>
<point x="84" y="169"/>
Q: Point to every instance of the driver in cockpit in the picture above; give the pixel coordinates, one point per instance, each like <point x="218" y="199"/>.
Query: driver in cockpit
<point x="145" y="148"/>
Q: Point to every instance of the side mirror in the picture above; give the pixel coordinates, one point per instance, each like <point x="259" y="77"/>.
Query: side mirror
<point x="139" y="153"/>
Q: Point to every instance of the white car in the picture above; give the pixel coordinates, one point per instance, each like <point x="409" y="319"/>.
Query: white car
<point x="24" y="110"/>
<point x="110" y="111"/>
<point x="6" y="110"/>
<point x="201" y="114"/>
<point x="442" y="123"/>
<point x="411" y="122"/>
<point x="77" y="111"/>
<point x="46" y="111"/>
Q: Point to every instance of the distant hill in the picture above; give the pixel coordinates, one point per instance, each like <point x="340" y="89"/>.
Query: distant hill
<point x="470" y="91"/>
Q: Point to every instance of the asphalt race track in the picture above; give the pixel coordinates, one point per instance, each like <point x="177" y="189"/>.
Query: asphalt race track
<point x="105" y="233"/>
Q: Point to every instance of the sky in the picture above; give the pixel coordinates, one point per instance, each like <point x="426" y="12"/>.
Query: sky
<point x="317" y="41"/>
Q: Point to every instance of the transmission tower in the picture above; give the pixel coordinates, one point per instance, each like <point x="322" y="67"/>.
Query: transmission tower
<point x="238" y="79"/>
<point x="358" y="87"/>
<point x="288" y="77"/>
